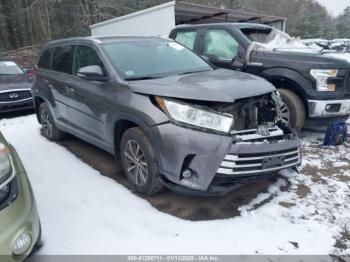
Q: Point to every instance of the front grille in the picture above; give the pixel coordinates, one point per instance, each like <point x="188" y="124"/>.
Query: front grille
<point x="253" y="135"/>
<point x="15" y="95"/>
<point x="225" y="180"/>
<point x="258" y="163"/>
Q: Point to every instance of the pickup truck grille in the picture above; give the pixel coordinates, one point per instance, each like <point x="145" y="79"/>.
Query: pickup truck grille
<point x="252" y="164"/>
<point x="14" y="96"/>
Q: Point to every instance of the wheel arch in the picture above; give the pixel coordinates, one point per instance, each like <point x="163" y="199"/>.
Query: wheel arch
<point x="123" y="122"/>
<point x="289" y="79"/>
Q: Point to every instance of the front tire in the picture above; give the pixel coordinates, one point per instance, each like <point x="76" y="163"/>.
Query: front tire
<point x="293" y="112"/>
<point x="49" y="128"/>
<point x="139" y="162"/>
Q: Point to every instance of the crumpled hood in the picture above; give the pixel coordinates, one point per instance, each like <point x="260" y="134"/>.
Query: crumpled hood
<point x="219" y="85"/>
<point x="14" y="82"/>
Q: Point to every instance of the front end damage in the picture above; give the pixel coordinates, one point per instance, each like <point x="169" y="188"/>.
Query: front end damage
<point x="259" y="144"/>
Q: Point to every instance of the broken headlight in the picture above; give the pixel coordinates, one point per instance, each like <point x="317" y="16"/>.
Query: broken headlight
<point x="5" y="165"/>
<point x="196" y="116"/>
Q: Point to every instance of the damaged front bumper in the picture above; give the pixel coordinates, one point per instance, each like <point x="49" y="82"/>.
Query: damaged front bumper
<point x="217" y="163"/>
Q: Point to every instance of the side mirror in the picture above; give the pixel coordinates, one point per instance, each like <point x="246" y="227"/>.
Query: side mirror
<point x="239" y="61"/>
<point x="241" y="55"/>
<point x="92" y="73"/>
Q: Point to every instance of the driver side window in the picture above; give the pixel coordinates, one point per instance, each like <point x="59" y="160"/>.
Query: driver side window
<point x="86" y="56"/>
<point x="221" y="44"/>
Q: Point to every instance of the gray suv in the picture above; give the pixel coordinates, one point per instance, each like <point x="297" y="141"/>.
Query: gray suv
<point x="173" y="119"/>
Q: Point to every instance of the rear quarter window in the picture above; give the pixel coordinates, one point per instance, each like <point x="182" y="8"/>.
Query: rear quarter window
<point x="45" y="59"/>
<point x="62" y="60"/>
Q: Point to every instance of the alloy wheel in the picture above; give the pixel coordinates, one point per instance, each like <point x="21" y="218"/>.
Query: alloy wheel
<point x="284" y="114"/>
<point x="137" y="167"/>
<point x="46" y="122"/>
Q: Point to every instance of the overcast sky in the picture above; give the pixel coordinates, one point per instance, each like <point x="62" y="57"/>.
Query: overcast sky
<point x="335" y="7"/>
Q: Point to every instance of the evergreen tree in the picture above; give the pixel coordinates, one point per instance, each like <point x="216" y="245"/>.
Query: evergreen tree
<point x="343" y="24"/>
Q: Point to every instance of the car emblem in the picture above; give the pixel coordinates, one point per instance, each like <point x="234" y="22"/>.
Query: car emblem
<point x="13" y="95"/>
<point x="263" y="131"/>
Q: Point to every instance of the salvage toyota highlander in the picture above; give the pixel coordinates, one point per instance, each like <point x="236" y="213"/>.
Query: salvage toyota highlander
<point x="172" y="119"/>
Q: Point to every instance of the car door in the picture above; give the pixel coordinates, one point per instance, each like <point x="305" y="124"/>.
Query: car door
<point x="222" y="50"/>
<point x="57" y="82"/>
<point x="89" y="112"/>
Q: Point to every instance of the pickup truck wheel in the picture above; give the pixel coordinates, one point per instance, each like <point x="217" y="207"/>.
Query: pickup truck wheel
<point x="49" y="128"/>
<point x="139" y="162"/>
<point x="293" y="112"/>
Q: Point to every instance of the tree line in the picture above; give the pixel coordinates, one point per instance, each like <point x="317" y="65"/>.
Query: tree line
<point x="32" y="22"/>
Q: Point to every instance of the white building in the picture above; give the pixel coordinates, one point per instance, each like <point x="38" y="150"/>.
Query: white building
<point x="159" y="20"/>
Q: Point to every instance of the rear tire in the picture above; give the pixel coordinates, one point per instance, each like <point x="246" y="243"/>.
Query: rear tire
<point x="139" y="162"/>
<point x="49" y="128"/>
<point x="295" y="107"/>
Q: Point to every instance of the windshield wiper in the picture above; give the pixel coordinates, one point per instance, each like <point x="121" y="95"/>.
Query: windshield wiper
<point x="142" y="78"/>
<point x="191" y="72"/>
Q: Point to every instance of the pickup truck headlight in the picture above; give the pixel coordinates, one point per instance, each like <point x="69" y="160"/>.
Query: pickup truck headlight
<point x="322" y="76"/>
<point x="5" y="165"/>
<point x="195" y="116"/>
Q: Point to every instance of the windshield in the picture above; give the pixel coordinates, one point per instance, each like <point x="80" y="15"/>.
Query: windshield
<point x="9" y="68"/>
<point x="153" y="58"/>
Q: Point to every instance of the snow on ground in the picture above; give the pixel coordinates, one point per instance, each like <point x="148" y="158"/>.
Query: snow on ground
<point x="83" y="212"/>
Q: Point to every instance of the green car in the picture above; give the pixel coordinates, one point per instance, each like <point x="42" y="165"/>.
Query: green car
<point x="20" y="229"/>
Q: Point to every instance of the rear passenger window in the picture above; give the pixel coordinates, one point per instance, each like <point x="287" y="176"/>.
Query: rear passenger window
<point x="45" y="59"/>
<point x="86" y="56"/>
<point x="63" y="59"/>
<point x="186" y="38"/>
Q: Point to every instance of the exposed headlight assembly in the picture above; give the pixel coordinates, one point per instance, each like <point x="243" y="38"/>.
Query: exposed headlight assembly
<point x="5" y="165"/>
<point x="195" y="116"/>
<point x="321" y="76"/>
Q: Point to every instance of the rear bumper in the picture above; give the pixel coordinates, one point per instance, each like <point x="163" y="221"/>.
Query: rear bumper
<point x="218" y="165"/>
<point x="329" y="108"/>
